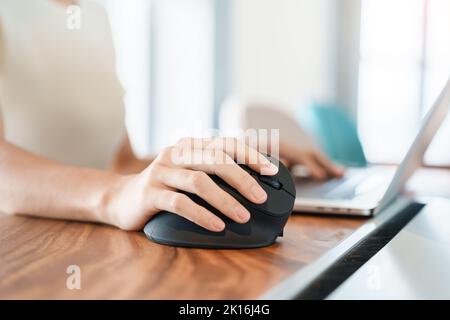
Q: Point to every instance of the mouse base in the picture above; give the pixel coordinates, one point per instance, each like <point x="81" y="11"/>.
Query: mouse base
<point x="202" y="245"/>
<point x="173" y="230"/>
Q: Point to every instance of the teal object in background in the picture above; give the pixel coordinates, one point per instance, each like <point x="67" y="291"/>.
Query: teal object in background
<point x="335" y="132"/>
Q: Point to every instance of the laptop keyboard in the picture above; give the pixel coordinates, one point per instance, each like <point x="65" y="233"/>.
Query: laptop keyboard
<point x="346" y="189"/>
<point x="357" y="183"/>
<point x="311" y="189"/>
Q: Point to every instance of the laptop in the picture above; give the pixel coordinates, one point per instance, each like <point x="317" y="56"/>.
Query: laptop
<point x="366" y="191"/>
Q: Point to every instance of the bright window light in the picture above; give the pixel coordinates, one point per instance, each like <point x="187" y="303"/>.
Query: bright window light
<point x="404" y="63"/>
<point x="183" y="74"/>
<point x="165" y="53"/>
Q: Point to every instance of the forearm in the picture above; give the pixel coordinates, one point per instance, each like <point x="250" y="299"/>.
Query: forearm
<point x="36" y="186"/>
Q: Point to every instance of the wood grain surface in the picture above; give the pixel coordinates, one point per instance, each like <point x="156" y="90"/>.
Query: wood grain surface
<point x="115" y="264"/>
<point x="35" y="253"/>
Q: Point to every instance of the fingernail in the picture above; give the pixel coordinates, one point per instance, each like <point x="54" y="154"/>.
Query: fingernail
<point x="269" y="169"/>
<point x="265" y="161"/>
<point x="217" y="224"/>
<point x="243" y="214"/>
<point x="258" y="193"/>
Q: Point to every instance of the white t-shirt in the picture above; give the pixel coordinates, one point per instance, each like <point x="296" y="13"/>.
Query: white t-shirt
<point x="59" y="93"/>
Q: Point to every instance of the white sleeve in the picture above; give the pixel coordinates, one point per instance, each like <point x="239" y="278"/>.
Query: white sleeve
<point x="2" y="56"/>
<point x="2" y="47"/>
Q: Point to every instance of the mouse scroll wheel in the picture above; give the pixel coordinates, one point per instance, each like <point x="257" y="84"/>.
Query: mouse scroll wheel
<point x="274" y="183"/>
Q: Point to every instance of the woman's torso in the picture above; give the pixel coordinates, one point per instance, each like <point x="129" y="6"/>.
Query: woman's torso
<point x="60" y="96"/>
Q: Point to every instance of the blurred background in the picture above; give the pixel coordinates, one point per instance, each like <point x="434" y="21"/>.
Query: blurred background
<point x="382" y="62"/>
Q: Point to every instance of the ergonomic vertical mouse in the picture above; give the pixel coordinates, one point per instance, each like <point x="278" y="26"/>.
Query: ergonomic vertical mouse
<point x="265" y="225"/>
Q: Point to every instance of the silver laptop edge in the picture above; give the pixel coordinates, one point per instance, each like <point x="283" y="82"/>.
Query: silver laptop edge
<point x="413" y="159"/>
<point x="411" y="162"/>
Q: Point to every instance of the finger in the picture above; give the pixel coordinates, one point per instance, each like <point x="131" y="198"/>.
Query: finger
<point x="330" y="167"/>
<point x="223" y="166"/>
<point x="242" y="181"/>
<point x="236" y="149"/>
<point x="180" y="204"/>
<point x="199" y="183"/>
<point x="306" y="158"/>
<point x="244" y="154"/>
<point x="317" y="172"/>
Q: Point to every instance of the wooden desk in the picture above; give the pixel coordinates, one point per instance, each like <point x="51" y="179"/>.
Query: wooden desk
<point x="35" y="253"/>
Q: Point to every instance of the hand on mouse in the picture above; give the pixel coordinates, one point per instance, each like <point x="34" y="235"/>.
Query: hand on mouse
<point x="135" y="199"/>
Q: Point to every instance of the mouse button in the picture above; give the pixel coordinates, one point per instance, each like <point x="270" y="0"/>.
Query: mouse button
<point x="271" y="181"/>
<point x="279" y="202"/>
<point x="285" y="177"/>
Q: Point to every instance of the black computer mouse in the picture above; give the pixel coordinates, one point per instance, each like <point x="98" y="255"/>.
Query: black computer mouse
<point x="265" y="225"/>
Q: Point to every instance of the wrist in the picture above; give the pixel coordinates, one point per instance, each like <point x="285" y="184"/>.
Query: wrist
<point x="108" y="200"/>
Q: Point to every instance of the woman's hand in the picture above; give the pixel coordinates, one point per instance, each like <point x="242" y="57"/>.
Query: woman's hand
<point x="318" y="165"/>
<point x="135" y="199"/>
